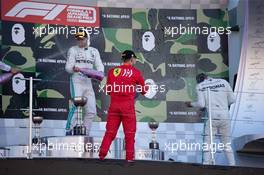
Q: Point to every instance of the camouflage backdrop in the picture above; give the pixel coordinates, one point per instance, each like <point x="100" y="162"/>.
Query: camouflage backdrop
<point x="43" y="56"/>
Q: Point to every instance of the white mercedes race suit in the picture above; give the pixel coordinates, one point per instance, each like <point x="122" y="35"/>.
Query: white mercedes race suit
<point x="81" y="85"/>
<point x="4" y="67"/>
<point x="222" y="97"/>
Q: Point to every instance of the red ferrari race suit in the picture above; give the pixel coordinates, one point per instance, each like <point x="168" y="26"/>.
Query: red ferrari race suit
<point x="122" y="86"/>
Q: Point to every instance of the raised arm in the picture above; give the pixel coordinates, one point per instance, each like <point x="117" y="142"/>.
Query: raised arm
<point x="98" y="62"/>
<point x="200" y="98"/>
<point x="141" y="82"/>
<point x="70" y="61"/>
<point x="230" y="94"/>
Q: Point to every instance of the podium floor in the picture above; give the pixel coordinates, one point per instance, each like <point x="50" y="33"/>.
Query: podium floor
<point x="56" y="166"/>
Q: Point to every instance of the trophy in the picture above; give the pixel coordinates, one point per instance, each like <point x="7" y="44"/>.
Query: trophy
<point x="36" y="141"/>
<point x="37" y="120"/>
<point x="79" y="128"/>
<point x="153" y="126"/>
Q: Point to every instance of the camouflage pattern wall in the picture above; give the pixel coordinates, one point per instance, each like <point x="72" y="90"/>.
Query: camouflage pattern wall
<point x="42" y="55"/>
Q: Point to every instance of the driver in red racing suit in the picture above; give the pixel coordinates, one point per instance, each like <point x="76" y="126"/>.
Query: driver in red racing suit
<point x="122" y="84"/>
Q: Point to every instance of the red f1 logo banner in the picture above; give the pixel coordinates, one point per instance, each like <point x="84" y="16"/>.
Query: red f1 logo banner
<point x="49" y="13"/>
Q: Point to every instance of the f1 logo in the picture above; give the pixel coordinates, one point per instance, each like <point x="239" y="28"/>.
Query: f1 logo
<point x="23" y="9"/>
<point x="49" y="13"/>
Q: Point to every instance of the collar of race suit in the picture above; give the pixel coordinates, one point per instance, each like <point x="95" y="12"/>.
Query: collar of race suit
<point x="126" y="65"/>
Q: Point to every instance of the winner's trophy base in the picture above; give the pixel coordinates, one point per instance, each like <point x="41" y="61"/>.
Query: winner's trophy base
<point x="79" y="130"/>
<point x="149" y="154"/>
<point x="153" y="145"/>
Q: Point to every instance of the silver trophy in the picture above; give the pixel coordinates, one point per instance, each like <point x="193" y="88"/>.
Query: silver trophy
<point x="79" y="128"/>
<point x="37" y="120"/>
<point x="153" y="126"/>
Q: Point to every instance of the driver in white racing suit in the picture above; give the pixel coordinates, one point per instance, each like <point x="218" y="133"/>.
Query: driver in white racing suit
<point x="222" y="97"/>
<point x="82" y="56"/>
